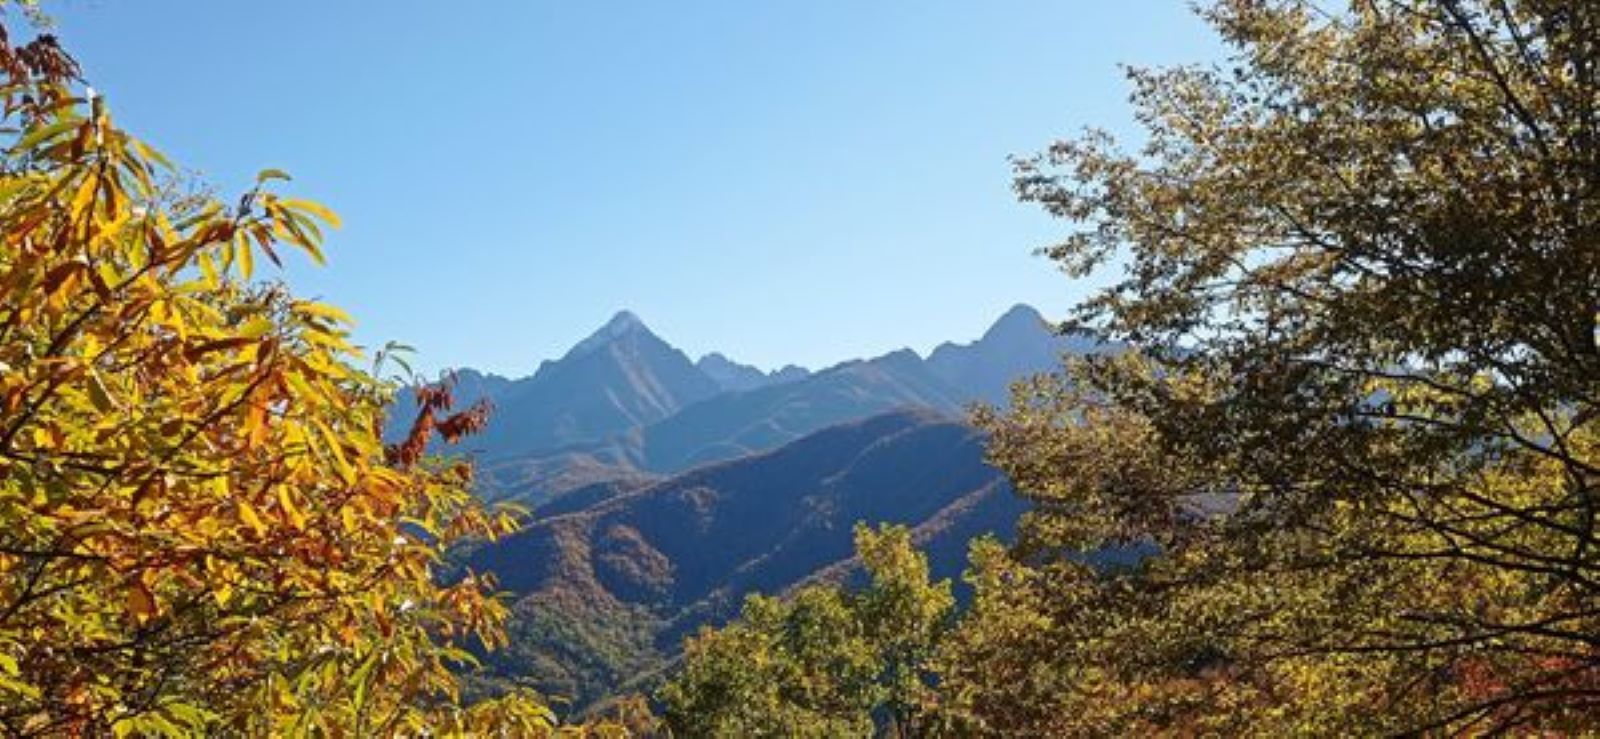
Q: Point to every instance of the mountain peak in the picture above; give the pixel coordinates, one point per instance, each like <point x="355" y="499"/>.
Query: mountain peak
<point x="1020" y="318"/>
<point x="626" y="317"/>
<point x="625" y="322"/>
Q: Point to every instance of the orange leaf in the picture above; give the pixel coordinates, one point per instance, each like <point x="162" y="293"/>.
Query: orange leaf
<point x="141" y="602"/>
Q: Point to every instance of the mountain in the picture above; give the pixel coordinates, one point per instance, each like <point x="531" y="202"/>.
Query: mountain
<point x="735" y="377"/>
<point x="1019" y="344"/>
<point x="620" y="377"/>
<point x="665" y="490"/>
<point x="728" y="426"/>
<point x="605" y="591"/>
<point x="732" y="424"/>
<point x="625" y="406"/>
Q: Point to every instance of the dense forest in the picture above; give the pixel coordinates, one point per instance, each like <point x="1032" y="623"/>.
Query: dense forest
<point x="1352" y="428"/>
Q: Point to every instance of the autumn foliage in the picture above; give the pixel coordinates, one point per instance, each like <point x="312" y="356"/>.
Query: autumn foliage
<point x="201" y="531"/>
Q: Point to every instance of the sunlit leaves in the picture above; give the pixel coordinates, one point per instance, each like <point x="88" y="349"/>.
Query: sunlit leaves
<point x="200" y="531"/>
<point x="1361" y="273"/>
<point x="824" y="661"/>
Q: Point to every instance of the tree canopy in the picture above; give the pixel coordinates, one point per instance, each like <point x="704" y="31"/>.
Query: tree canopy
<point x="1363" y="276"/>
<point x="825" y="661"/>
<point x="1356" y="415"/>
<point x="200" y="529"/>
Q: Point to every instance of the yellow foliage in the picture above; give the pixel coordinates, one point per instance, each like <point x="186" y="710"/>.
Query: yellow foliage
<point x="201" y="531"/>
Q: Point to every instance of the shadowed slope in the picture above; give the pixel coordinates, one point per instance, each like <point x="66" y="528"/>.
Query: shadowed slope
<point x="672" y="555"/>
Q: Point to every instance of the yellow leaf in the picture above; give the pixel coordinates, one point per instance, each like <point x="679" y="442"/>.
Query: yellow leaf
<point x="256" y="327"/>
<point x="241" y="248"/>
<point x="248" y="514"/>
<point x="346" y="472"/>
<point x="297" y="517"/>
<point x="323" y="310"/>
<point x="208" y="269"/>
<point x="317" y="209"/>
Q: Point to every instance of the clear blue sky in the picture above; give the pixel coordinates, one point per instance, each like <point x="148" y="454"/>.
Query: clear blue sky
<point x="783" y="181"/>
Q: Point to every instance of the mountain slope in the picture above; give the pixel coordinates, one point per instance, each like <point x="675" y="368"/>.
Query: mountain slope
<point x="662" y="559"/>
<point x="732" y="425"/>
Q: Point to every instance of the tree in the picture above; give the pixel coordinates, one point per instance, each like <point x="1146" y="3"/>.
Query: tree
<point x="1362" y="270"/>
<point x="825" y="662"/>
<point x="200" y="529"/>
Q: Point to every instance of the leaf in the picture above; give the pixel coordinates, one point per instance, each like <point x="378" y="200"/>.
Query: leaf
<point x="297" y="517"/>
<point x="346" y="472"/>
<point x="256" y="327"/>
<point x="323" y="310"/>
<point x="141" y="602"/>
<point x="60" y="277"/>
<point x="208" y="269"/>
<point x="271" y="174"/>
<point x="362" y="678"/>
<point x="314" y="208"/>
<point x="191" y="716"/>
<point x="37" y="136"/>
<point x="233" y="342"/>
<point x="98" y="395"/>
<point x="255" y="424"/>
<point x="251" y="518"/>
<point x="245" y="256"/>
<point x="150" y="153"/>
<point x="20" y="687"/>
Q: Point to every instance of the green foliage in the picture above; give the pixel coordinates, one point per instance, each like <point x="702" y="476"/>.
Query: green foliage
<point x="578" y="647"/>
<point x="824" y="662"/>
<point x="1364" y="277"/>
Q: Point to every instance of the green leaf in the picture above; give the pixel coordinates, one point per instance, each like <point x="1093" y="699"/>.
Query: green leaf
<point x="40" y="135"/>
<point x="271" y="174"/>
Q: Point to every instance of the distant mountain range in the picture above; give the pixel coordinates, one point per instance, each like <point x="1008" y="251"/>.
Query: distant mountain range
<point x="625" y="404"/>
<point x="664" y="490"/>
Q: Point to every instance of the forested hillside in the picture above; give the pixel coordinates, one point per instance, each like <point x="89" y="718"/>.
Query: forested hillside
<point x="604" y="593"/>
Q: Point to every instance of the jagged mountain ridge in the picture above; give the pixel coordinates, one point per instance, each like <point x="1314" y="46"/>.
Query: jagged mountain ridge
<point x="735" y="377"/>
<point x="620" y="377"/>
<point x="731" y="424"/>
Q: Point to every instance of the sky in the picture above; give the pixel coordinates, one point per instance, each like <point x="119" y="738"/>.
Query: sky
<point x="784" y="181"/>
